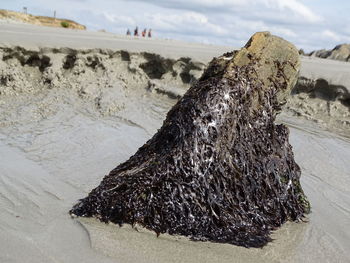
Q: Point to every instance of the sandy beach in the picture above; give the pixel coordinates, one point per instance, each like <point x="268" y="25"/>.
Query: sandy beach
<point x="73" y="106"/>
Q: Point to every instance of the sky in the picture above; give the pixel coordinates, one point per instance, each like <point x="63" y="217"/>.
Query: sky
<point x="309" y="24"/>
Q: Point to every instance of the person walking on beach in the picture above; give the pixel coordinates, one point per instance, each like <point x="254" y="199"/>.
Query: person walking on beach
<point x="136" y="32"/>
<point x="150" y="33"/>
<point x="128" y="33"/>
<point x="144" y="32"/>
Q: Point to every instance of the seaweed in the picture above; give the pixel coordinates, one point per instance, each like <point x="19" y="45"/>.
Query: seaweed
<point x="219" y="169"/>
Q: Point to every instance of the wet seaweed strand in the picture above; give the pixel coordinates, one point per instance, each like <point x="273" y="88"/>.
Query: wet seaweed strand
<point x="219" y="169"/>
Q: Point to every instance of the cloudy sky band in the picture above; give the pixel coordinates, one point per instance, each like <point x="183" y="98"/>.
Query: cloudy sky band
<point x="310" y="24"/>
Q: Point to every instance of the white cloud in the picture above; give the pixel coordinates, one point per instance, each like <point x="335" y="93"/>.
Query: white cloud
<point x="243" y="8"/>
<point x="330" y="34"/>
<point x="281" y="31"/>
<point x="117" y="19"/>
<point x="188" y="22"/>
<point x="296" y="7"/>
<point x="335" y="37"/>
<point x="196" y="4"/>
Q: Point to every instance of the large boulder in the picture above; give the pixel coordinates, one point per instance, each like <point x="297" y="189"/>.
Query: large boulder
<point x="219" y="168"/>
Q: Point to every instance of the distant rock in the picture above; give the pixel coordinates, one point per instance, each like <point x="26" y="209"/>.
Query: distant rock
<point x="340" y="52"/>
<point x="301" y="52"/>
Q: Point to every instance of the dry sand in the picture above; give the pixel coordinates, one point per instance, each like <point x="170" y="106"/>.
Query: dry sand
<point x="66" y="122"/>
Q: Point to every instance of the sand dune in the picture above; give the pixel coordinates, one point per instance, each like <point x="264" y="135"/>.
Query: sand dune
<point x="14" y="17"/>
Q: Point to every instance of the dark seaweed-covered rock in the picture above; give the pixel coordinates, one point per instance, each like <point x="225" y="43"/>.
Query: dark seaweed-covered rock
<point x="219" y="169"/>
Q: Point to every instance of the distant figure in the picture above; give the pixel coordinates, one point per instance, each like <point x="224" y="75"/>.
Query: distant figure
<point x="136" y="32"/>
<point x="128" y="33"/>
<point x="150" y="33"/>
<point x="144" y="32"/>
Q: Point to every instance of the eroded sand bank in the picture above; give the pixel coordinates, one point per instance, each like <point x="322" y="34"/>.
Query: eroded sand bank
<point x="66" y="123"/>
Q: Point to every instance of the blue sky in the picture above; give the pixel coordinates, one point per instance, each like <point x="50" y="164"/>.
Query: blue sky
<point x="309" y="24"/>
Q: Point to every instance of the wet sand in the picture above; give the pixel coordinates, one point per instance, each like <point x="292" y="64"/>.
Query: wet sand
<point x="323" y="238"/>
<point x="47" y="169"/>
<point x="57" y="143"/>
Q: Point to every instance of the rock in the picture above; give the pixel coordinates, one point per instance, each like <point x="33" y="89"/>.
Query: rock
<point x="340" y="52"/>
<point x="323" y="53"/>
<point x="219" y="169"/>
